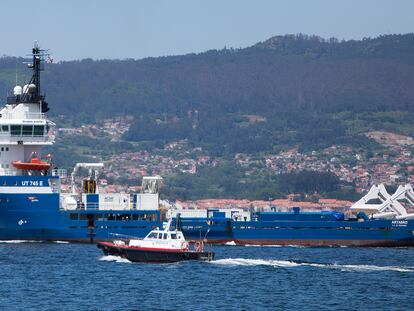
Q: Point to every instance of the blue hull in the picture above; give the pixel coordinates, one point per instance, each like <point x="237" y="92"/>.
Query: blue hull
<point x="34" y="216"/>
<point x="297" y="232"/>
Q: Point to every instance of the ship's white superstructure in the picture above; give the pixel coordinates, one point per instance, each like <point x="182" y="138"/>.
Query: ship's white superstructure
<point x="23" y="124"/>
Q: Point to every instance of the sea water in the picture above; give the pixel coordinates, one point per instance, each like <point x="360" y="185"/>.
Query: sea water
<point x="62" y="276"/>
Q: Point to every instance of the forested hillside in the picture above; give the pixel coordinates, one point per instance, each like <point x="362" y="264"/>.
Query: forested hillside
<point x="287" y="90"/>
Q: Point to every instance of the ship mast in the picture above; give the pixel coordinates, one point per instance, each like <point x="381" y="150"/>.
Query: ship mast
<point x="36" y="68"/>
<point x="35" y="96"/>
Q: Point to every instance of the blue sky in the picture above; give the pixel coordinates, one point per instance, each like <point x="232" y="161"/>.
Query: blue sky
<point x="135" y="29"/>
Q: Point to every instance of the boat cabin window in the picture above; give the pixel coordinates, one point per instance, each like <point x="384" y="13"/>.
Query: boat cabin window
<point x="165" y="236"/>
<point x="160" y="236"/>
<point x="152" y="235"/>
<point x="5" y="128"/>
<point x="173" y="236"/>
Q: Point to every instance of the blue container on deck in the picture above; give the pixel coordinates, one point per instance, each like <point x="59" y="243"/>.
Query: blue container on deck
<point x="219" y="215"/>
<point x="297" y="215"/>
<point x="92" y="201"/>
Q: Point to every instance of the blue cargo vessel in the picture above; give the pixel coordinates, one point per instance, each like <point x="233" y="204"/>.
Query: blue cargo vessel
<point x="381" y="220"/>
<point x="32" y="205"/>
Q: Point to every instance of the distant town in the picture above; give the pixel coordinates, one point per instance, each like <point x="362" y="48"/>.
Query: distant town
<point x="356" y="167"/>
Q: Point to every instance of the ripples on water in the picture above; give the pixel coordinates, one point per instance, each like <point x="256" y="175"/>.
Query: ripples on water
<point x="61" y="276"/>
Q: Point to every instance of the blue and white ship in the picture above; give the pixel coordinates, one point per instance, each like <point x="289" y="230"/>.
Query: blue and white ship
<point x="32" y="206"/>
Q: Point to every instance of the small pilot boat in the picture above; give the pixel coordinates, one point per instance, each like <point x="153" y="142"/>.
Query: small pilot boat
<point x="158" y="246"/>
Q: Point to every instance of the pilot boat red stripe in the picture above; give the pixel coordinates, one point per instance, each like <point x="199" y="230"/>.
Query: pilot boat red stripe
<point x="111" y="244"/>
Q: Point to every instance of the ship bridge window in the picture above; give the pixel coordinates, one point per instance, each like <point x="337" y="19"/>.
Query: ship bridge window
<point x="16" y="130"/>
<point x="27" y="130"/>
<point x="38" y="130"/>
<point x="173" y="236"/>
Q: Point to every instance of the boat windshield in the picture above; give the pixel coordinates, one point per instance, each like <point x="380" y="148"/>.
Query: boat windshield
<point x="152" y="235"/>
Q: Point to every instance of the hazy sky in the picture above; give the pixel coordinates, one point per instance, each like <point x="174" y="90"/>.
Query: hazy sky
<point x="78" y="29"/>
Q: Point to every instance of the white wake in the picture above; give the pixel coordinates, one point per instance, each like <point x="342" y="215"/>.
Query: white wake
<point x="290" y="264"/>
<point x="114" y="258"/>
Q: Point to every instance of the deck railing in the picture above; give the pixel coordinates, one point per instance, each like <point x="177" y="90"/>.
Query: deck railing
<point x="6" y="137"/>
<point x="61" y="172"/>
